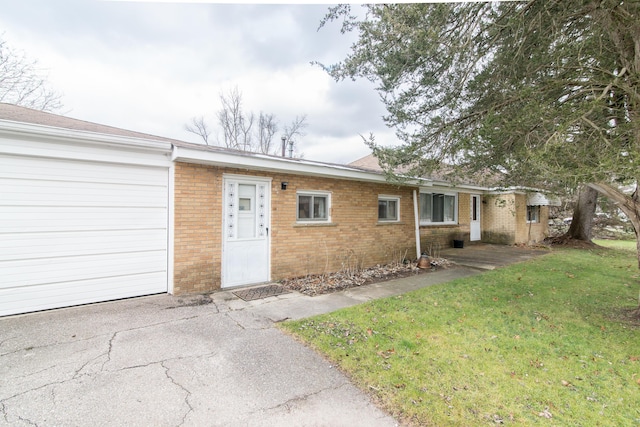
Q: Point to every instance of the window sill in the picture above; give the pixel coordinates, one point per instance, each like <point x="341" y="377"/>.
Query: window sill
<point x="390" y="223"/>
<point x="315" y="224"/>
<point x="440" y="224"/>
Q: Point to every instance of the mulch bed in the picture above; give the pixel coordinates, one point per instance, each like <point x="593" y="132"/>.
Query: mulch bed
<point x="318" y="284"/>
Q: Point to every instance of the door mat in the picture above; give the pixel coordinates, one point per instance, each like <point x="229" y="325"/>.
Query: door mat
<point x="261" y="292"/>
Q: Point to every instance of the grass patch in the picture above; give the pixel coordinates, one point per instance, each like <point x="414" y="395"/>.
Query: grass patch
<point x="545" y="342"/>
<point x="627" y="245"/>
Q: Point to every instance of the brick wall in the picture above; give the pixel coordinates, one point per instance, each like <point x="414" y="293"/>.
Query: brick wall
<point x="197" y="228"/>
<point x="505" y="220"/>
<point x="530" y="232"/>
<point x="353" y="238"/>
<point x="499" y="218"/>
<point x="354" y="235"/>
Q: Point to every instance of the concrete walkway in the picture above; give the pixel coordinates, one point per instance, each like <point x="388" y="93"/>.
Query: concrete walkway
<point x="489" y="257"/>
<point x="192" y="361"/>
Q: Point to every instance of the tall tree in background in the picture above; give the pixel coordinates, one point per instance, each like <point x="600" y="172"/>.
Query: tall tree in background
<point x="23" y="83"/>
<point x="543" y="92"/>
<point x="240" y="129"/>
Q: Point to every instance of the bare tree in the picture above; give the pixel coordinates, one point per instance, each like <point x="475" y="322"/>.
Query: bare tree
<point x="267" y="128"/>
<point x="230" y="118"/>
<point x="294" y="131"/>
<point x="246" y="136"/>
<point x="23" y="83"/>
<point x="200" y="127"/>
<point x="242" y="131"/>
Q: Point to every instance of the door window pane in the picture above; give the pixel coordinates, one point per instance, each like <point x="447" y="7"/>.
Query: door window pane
<point x="244" y="204"/>
<point x="246" y="213"/>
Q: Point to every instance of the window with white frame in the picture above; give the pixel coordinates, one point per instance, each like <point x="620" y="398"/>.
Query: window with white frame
<point x="313" y="206"/>
<point x="388" y="208"/>
<point x="438" y="208"/>
<point x="533" y="213"/>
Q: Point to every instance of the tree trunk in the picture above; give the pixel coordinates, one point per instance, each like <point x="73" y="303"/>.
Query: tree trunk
<point x="583" y="213"/>
<point x="630" y="205"/>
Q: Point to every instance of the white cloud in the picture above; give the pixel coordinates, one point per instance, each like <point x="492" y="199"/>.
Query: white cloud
<point x="150" y="67"/>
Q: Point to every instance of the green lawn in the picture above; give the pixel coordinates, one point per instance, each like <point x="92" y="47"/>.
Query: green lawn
<point x="629" y="245"/>
<point x="546" y="342"/>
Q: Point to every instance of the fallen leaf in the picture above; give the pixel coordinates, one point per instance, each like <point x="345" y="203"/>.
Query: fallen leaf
<point x="545" y="414"/>
<point x="565" y="383"/>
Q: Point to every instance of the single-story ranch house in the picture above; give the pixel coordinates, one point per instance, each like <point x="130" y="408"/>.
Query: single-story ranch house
<point x="93" y="213"/>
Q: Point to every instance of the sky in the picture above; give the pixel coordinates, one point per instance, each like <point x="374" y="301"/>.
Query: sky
<point x="152" y="66"/>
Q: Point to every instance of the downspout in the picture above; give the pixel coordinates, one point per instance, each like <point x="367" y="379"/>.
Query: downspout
<point x="417" y="223"/>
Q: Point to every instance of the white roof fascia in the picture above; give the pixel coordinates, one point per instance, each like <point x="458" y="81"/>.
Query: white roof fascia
<point x="299" y="166"/>
<point x="12" y="128"/>
<point x="505" y="191"/>
<point x="445" y="186"/>
<point x="283" y="165"/>
<point x="535" y="197"/>
<point x="516" y="189"/>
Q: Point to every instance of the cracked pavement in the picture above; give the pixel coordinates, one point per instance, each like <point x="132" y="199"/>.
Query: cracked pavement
<point x="173" y="361"/>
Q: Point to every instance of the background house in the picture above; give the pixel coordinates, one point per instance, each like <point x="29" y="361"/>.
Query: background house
<point x="503" y="216"/>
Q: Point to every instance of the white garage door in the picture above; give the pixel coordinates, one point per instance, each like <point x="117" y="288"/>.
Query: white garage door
<point x="74" y="232"/>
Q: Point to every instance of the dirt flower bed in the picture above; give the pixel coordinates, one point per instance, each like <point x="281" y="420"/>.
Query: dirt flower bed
<point x="318" y="284"/>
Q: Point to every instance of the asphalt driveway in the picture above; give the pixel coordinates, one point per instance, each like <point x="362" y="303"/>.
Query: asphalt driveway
<point x="167" y="361"/>
<point x="191" y="361"/>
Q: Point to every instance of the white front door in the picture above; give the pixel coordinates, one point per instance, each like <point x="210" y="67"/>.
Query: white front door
<point x="245" y="243"/>
<point x="475" y="229"/>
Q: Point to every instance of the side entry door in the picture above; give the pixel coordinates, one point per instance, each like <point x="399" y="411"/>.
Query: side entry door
<point x="474" y="227"/>
<point x="245" y="243"/>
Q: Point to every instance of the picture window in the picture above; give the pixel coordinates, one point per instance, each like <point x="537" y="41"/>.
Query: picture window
<point x="438" y="208"/>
